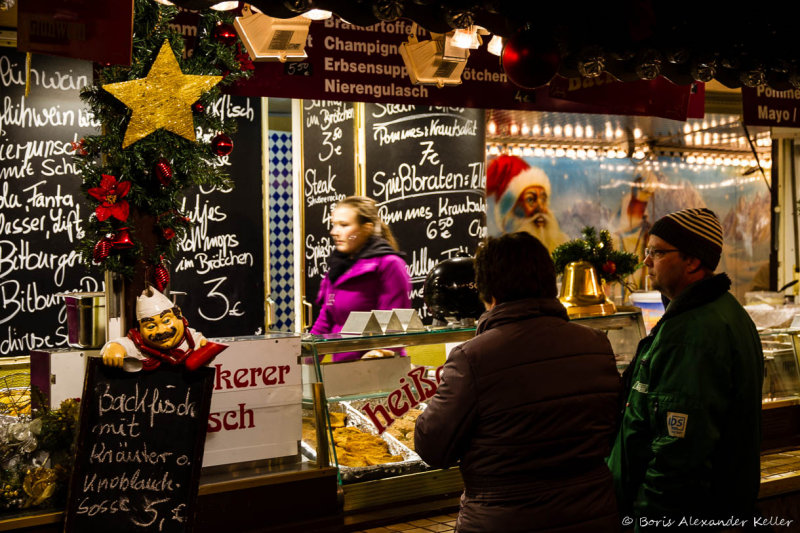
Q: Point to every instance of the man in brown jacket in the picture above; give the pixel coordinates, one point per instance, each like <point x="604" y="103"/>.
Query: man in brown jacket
<point x="529" y="406"/>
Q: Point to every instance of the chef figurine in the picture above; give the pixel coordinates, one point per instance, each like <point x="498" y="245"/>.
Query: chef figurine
<point x="163" y="336"/>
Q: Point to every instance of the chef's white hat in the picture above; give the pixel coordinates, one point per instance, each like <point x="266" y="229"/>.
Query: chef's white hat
<point x="151" y="303"/>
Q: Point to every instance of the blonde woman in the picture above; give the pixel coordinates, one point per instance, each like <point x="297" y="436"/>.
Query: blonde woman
<point x="366" y="270"/>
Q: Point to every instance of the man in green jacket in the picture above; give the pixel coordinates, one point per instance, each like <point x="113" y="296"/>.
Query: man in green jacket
<point x="687" y="452"/>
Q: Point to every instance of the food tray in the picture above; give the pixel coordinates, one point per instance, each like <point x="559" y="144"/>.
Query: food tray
<point x="411" y="461"/>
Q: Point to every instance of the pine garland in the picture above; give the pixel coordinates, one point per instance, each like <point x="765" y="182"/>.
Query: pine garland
<point x="192" y="163"/>
<point x="611" y="265"/>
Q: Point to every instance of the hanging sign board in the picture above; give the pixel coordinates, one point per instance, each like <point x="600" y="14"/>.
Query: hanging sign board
<point x="763" y="106"/>
<point x="363" y="64"/>
<point x="95" y="31"/>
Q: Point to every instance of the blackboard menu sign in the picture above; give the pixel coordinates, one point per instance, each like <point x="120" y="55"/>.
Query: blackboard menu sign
<point x="42" y="208"/>
<point x="329" y="175"/>
<point x="425" y="169"/>
<point x="140" y="450"/>
<point x="218" y="276"/>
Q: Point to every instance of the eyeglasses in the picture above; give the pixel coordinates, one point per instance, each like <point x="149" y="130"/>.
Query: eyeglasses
<point x="658" y="253"/>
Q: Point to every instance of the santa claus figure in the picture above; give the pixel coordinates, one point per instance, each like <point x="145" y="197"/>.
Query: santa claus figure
<point x="163" y="337"/>
<point x="518" y="198"/>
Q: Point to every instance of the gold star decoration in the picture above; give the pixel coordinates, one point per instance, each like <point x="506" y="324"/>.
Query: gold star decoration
<point x="163" y="99"/>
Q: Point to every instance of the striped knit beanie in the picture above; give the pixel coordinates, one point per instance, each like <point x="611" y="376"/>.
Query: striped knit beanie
<point x="695" y="232"/>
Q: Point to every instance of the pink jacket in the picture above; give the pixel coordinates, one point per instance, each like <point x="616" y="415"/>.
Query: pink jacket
<point x="371" y="283"/>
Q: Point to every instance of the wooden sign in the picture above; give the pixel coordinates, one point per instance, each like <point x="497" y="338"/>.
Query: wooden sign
<point x="329" y="175"/>
<point x="425" y="169"/>
<point x="140" y="450"/>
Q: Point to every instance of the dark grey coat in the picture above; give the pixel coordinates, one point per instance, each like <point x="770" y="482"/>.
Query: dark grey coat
<point x="529" y="407"/>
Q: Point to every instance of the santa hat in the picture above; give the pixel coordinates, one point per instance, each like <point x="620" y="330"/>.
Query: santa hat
<point x="151" y="303"/>
<point x="506" y="177"/>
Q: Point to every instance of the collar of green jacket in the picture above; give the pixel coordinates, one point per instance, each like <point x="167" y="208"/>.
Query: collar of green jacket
<point x="697" y="294"/>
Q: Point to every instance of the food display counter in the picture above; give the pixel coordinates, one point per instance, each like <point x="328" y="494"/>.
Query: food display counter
<point x="372" y="405"/>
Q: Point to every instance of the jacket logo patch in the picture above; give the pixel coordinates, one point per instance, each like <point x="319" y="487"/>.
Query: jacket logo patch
<point x="640" y="387"/>
<point x="676" y="424"/>
<point x="331" y="298"/>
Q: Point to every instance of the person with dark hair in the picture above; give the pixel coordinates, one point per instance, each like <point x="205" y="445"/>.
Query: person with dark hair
<point x="689" y="444"/>
<point x="366" y="270"/>
<point x="529" y="406"/>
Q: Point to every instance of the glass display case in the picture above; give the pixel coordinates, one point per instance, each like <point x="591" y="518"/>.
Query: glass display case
<point x="373" y="403"/>
<point x="781" y="371"/>
<point x="625" y="329"/>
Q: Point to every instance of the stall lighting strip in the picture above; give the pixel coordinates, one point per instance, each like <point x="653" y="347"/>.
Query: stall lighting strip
<point x="640" y="154"/>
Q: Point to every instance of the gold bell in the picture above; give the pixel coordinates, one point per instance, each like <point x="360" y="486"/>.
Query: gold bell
<point x="582" y="292"/>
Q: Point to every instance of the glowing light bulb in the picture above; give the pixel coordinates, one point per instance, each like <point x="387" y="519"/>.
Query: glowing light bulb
<point x="514" y="129"/>
<point x="591" y="153"/>
<point x="637" y="133"/>
<point x="525" y="129"/>
<point x="538" y="152"/>
<point x="568" y="130"/>
<point x="492" y="127"/>
<point x="557" y="130"/>
<point x="495" y="45"/>
<point x="465" y="38"/>
<point x="546" y="129"/>
<point x="226" y="6"/>
<point x="579" y="131"/>
<point x="589" y="131"/>
<point x="314" y="14"/>
<point x="536" y="130"/>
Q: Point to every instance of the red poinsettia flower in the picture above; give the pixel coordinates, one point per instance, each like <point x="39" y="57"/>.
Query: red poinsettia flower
<point x="110" y="193"/>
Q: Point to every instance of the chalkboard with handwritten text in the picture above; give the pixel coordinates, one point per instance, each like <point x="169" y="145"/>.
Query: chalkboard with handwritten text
<point x="140" y="450"/>
<point x="329" y="175"/>
<point x="425" y="169"/>
<point x="42" y="208"/>
<point x="218" y="276"/>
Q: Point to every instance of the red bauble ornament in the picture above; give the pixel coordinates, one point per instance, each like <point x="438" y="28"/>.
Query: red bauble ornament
<point x="609" y="267"/>
<point x="530" y="60"/>
<point x="169" y="233"/>
<point x="225" y="34"/>
<point x="198" y="108"/>
<point x="161" y="278"/>
<point x="101" y="250"/>
<point x="122" y="240"/>
<point x="221" y="145"/>
<point x="163" y="171"/>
